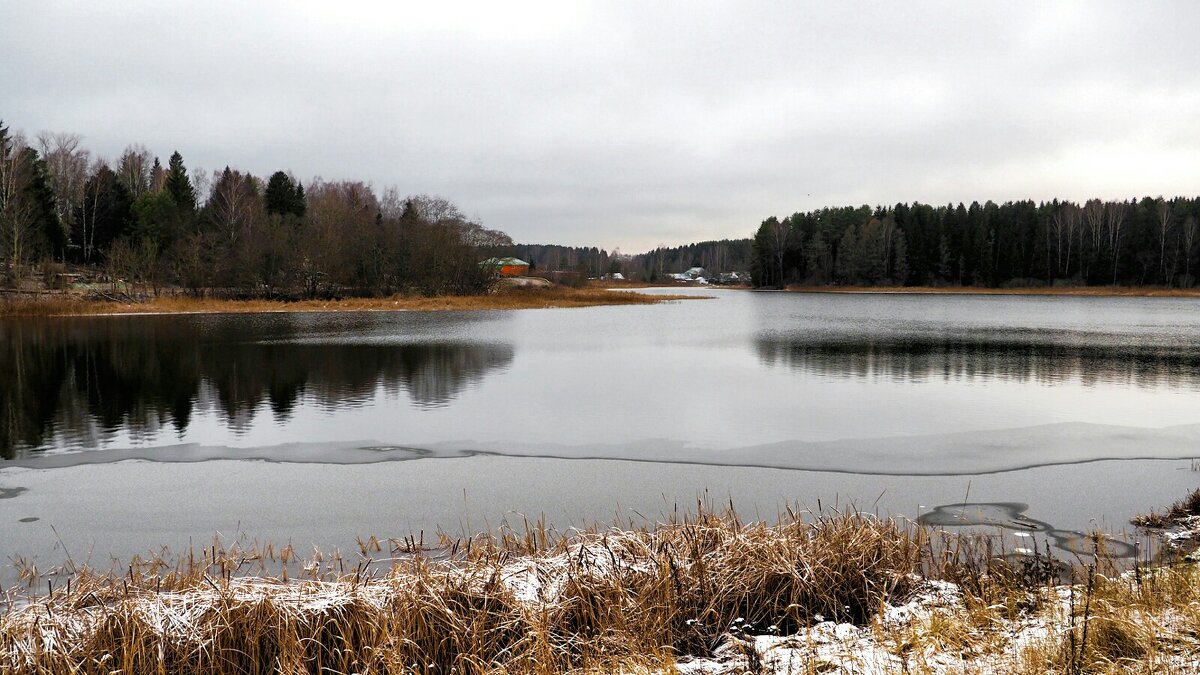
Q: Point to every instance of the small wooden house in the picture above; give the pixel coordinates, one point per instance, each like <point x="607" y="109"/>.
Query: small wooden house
<point x="508" y="267"/>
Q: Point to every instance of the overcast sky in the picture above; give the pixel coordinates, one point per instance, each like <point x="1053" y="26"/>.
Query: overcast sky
<point x="631" y="124"/>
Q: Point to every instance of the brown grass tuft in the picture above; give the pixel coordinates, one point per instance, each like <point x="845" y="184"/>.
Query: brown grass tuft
<point x="1184" y="508"/>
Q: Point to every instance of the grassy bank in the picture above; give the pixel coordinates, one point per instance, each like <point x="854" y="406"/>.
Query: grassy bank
<point x="1084" y="291"/>
<point x="708" y="594"/>
<point x="523" y="298"/>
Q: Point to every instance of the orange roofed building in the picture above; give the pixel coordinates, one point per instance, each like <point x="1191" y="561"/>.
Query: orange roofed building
<point x="508" y="267"/>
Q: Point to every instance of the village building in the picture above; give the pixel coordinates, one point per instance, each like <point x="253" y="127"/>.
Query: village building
<point x="507" y="267"/>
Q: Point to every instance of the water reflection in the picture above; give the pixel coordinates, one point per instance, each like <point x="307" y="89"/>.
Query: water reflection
<point x="1038" y="358"/>
<point x="80" y="381"/>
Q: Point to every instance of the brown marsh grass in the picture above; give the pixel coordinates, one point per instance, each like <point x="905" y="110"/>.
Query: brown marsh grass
<point x="632" y="599"/>
<point x="534" y="602"/>
<point x="1184" y="508"/>
<point x="516" y="298"/>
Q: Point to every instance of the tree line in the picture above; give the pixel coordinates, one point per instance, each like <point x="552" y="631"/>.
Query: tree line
<point x="726" y="255"/>
<point x="228" y="233"/>
<point x="1136" y="242"/>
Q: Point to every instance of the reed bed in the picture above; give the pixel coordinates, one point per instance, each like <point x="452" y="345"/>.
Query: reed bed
<point x="534" y="602"/>
<point x="515" y="298"/>
<point x="707" y="593"/>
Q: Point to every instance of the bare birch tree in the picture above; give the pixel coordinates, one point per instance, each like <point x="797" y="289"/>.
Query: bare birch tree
<point x="1065" y="226"/>
<point x="134" y="169"/>
<point x="1093" y="218"/>
<point x="69" y="168"/>
<point x="233" y="204"/>
<point x="1162" y="214"/>
<point x="1189" y="246"/>
<point x="17" y="218"/>
<point x="1114" y="221"/>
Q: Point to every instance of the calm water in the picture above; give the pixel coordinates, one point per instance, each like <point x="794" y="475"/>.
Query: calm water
<point x="920" y="398"/>
<point x="745" y="369"/>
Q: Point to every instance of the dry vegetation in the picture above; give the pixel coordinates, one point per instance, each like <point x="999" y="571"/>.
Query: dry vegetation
<point x="522" y="298"/>
<point x="708" y="594"/>
<point x="1176" y="513"/>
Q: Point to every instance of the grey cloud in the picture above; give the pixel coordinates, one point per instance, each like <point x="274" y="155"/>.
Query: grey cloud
<point x="633" y="124"/>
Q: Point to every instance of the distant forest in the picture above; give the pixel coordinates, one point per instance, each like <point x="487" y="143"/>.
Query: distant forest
<point x="238" y="235"/>
<point x="1139" y="242"/>
<point x="726" y="255"/>
<point x="227" y="233"/>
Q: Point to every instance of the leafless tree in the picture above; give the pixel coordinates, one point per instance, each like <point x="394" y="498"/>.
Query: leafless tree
<point x="16" y="215"/>
<point x="1114" y="220"/>
<point x="69" y="165"/>
<point x="1189" y="245"/>
<point x="134" y="169"/>
<point x="90" y="202"/>
<point x="10" y="173"/>
<point x="779" y="234"/>
<point x="1065" y="226"/>
<point x="203" y="183"/>
<point x="234" y="204"/>
<point x="435" y="209"/>
<point x="391" y="205"/>
<point x="1093" y="218"/>
<point x="1162" y="213"/>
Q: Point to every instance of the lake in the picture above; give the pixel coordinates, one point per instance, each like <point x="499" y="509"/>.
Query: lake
<point x="121" y="435"/>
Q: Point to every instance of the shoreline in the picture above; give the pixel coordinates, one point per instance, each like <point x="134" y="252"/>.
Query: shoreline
<point x="1068" y="291"/>
<point x="703" y="593"/>
<point x="558" y="298"/>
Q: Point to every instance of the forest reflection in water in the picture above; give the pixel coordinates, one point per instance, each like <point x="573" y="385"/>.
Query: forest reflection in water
<point x="80" y="381"/>
<point x="1035" y="357"/>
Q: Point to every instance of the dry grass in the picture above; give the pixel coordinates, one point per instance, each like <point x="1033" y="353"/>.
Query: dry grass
<point x="1184" y="508"/>
<point x="68" y="305"/>
<point x="1086" y="291"/>
<point x="707" y="593"/>
<point x="533" y="602"/>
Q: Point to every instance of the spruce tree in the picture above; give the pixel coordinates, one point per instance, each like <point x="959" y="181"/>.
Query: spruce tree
<point x="158" y="177"/>
<point x="284" y="196"/>
<point x="178" y="184"/>
<point x="39" y="192"/>
<point x="299" y="201"/>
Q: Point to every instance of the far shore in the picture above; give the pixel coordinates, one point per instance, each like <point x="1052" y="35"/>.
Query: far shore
<point x="1080" y="291"/>
<point x="78" y="305"/>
